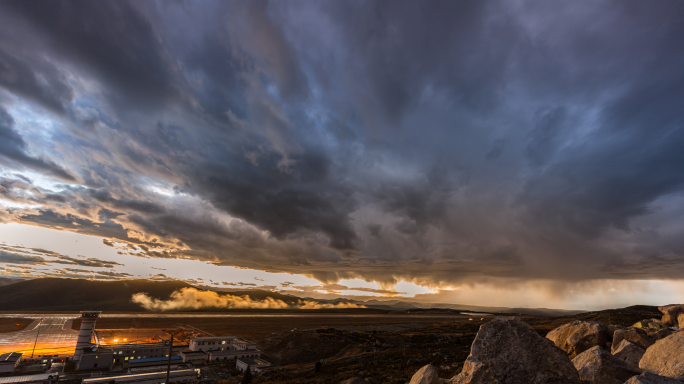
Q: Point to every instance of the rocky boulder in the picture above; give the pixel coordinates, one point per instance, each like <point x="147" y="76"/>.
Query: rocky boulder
<point x="681" y="321"/>
<point x="637" y="336"/>
<point x="649" y="325"/>
<point x="474" y="372"/>
<point x="597" y="366"/>
<point x="629" y="352"/>
<point x="614" y="327"/>
<point x="670" y="321"/>
<point x="426" y="375"/>
<point x="650" y="378"/>
<point x="578" y="336"/>
<point x="666" y="357"/>
<point x="661" y="334"/>
<point x="673" y="310"/>
<point x="516" y="354"/>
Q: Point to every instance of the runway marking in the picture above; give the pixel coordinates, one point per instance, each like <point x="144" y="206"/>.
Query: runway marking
<point x="53" y="338"/>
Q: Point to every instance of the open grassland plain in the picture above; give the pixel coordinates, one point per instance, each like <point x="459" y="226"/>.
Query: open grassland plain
<point x="253" y="326"/>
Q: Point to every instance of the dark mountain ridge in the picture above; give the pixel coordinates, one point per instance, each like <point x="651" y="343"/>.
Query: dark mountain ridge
<point x="56" y="294"/>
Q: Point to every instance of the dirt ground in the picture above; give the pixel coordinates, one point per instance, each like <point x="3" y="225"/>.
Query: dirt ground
<point x="13" y="325"/>
<point x="256" y="327"/>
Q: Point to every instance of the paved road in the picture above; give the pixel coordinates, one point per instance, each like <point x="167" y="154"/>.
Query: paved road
<point x="52" y="334"/>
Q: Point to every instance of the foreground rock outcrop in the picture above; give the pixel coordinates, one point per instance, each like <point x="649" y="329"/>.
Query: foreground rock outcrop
<point x="579" y="336"/>
<point x="426" y="375"/>
<point x="637" y="336"/>
<point x="515" y="354"/>
<point x="673" y="310"/>
<point x="650" y="378"/>
<point x="629" y="352"/>
<point x="474" y="372"/>
<point x="597" y="366"/>
<point x="666" y="357"/>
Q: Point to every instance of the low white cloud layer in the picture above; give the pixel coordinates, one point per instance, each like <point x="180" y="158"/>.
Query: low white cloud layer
<point x="191" y="298"/>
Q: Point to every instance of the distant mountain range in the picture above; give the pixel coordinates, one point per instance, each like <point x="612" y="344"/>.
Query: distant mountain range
<point x="11" y="280"/>
<point x="409" y="306"/>
<point x="55" y="294"/>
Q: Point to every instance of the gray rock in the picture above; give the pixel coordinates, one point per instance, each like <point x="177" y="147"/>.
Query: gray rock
<point x="516" y="354"/>
<point x="649" y="324"/>
<point x="650" y="378"/>
<point x="355" y="380"/>
<point x="597" y="366"/>
<point x="578" y="336"/>
<point x="614" y="327"/>
<point x="673" y="310"/>
<point x="661" y="334"/>
<point x="426" y="375"/>
<point x="637" y="336"/>
<point x="669" y="320"/>
<point x="666" y="357"/>
<point x="629" y="352"/>
<point x="474" y="372"/>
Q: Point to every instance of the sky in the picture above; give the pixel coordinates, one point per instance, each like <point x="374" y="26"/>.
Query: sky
<point x="522" y="153"/>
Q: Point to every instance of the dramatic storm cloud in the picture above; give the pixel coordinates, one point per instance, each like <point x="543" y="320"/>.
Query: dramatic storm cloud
<point x="434" y="142"/>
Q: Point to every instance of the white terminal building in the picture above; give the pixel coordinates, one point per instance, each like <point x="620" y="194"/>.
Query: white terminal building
<point x="224" y="348"/>
<point x="212" y="349"/>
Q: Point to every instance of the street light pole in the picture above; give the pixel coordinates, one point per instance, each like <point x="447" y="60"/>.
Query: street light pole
<point x="36" y="341"/>
<point x="168" y="367"/>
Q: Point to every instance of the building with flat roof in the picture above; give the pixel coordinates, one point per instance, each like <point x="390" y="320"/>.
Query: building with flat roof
<point x="95" y="358"/>
<point x="255" y="365"/>
<point x="146" y="378"/>
<point x="195" y="357"/>
<point x="9" y="361"/>
<point x="125" y="354"/>
<point x="153" y="361"/>
<point x="219" y="343"/>
<point x="224" y="348"/>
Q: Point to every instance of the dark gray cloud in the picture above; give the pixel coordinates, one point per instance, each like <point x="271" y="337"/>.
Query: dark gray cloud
<point x="20" y="255"/>
<point x="112" y="40"/>
<point x="14" y="151"/>
<point x="434" y="142"/>
<point x="7" y="257"/>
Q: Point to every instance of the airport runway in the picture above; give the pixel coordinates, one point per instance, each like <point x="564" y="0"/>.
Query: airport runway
<point x="52" y="334"/>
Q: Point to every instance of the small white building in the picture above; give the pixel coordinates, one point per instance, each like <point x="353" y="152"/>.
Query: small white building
<point x="255" y="365"/>
<point x="195" y="357"/>
<point x="220" y="343"/>
<point x="9" y="361"/>
<point x="224" y="348"/>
